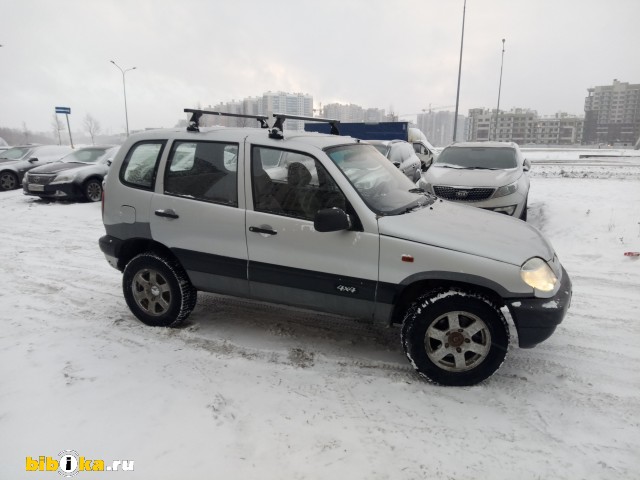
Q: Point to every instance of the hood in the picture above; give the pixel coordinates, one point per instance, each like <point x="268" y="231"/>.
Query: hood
<point x="464" y="177"/>
<point x="57" y="167"/>
<point x="470" y="230"/>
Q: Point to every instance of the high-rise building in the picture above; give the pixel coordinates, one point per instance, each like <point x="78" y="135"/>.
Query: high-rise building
<point x="290" y="103"/>
<point x="344" y="113"/>
<point x="612" y="114"/>
<point x="438" y="127"/>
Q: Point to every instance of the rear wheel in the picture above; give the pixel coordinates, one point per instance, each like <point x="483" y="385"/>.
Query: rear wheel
<point x="454" y="337"/>
<point x="93" y="190"/>
<point x="158" y="290"/>
<point x="8" y="181"/>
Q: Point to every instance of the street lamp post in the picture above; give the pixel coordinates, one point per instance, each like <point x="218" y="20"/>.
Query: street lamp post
<point x="124" y="88"/>
<point x="455" y="119"/>
<point x="495" y="135"/>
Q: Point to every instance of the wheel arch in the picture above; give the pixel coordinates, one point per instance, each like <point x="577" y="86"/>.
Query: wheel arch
<point x="135" y="246"/>
<point x="412" y="287"/>
<point x="92" y="176"/>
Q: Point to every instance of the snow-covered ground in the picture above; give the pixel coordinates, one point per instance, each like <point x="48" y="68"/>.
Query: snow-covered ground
<point x="249" y="390"/>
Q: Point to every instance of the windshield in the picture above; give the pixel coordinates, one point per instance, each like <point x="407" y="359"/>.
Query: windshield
<point x="493" y="158"/>
<point x="15" y="153"/>
<point x="86" y="155"/>
<point x="384" y="189"/>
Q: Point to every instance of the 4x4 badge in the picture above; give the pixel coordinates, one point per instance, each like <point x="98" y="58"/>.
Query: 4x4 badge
<point x="346" y="289"/>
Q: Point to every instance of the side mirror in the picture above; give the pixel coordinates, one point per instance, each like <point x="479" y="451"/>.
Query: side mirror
<point x="33" y="160"/>
<point x="331" y="220"/>
<point x="527" y="165"/>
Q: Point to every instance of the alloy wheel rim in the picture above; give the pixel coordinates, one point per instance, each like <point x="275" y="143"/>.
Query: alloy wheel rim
<point x="151" y="292"/>
<point x="457" y="341"/>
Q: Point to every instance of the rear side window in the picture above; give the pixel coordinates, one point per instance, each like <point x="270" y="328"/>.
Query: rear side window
<point x="139" y="168"/>
<point x="203" y="171"/>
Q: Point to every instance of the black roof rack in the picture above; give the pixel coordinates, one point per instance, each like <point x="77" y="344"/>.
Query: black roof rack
<point x="276" y="130"/>
<point x="194" y="122"/>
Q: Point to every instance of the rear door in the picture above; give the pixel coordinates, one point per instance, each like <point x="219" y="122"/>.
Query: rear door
<point x="289" y="261"/>
<point x="197" y="214"/>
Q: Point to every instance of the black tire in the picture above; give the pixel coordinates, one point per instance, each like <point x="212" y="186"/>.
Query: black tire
<point x="447" y="355"/>
<point x="8" y="181"/>
<point x="92" y="190"/>
<point x="523" y="215"/>
<point x="158" y="291"/>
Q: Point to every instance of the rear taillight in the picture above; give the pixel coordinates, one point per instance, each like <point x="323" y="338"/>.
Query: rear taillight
<point x="102" y="200"/>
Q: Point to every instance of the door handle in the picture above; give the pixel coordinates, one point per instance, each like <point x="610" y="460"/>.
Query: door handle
<point x="266" y="231"/>
<point x="168" y="213"/>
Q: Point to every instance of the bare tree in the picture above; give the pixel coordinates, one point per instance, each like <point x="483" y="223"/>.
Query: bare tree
<point x="92" y="127"/>
<point x="58" y="127"/>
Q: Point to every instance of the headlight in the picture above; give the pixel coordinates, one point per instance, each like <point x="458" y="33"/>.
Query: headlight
<point x="537" y="274"/>
<point x="64" y="178"/>
<point x="506" y="190"/>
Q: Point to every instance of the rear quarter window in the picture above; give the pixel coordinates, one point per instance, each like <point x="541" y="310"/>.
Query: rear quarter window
<point x="141" y="164"/>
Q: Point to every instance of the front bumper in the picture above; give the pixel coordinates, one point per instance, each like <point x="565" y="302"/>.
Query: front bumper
<point x="537" y="318"/>
<point x="55" y="190"/>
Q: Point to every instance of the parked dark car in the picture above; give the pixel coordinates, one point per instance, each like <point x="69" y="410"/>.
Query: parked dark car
<point x="78" y="175"/>
<point x="16" y="161"/>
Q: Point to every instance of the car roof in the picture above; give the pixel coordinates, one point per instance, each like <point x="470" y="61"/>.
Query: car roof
<point x="239" y="134"/>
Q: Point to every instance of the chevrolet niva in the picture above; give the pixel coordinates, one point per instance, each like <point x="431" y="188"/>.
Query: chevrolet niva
<point x="344" y="231"/>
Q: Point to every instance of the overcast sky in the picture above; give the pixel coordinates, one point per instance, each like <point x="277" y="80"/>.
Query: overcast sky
<point x="375" y="53"/>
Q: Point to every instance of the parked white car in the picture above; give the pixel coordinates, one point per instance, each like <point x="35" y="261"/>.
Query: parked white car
<point x="188" y="210"/>
<point x="402" y="155"/>
<point x="489" y="175"/>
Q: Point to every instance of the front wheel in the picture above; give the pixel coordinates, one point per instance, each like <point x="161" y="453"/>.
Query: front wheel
<point x="93" y="190"/>
<point x="158" y="290"/>
<point x="453" y="337"/>
<point x="8" y="181"/>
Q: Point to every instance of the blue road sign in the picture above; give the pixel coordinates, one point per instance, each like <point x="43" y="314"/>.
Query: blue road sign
<point x="66" y="110"/>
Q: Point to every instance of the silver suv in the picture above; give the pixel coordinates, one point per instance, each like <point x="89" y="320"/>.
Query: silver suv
<point x="194" y="210"/>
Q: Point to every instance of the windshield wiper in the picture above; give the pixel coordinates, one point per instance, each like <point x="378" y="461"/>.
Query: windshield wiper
<point x="447" y="165"/>
<point x="417" y="190"/>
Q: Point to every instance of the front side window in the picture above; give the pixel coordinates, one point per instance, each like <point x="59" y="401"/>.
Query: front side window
<point x="15" y="153"/>
<point x="297" y="186"/>
<point x="139" y="168"/>
<point x="203" y="171"/>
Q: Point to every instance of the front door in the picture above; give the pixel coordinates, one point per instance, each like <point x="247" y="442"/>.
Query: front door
<point x="289" y="261"/>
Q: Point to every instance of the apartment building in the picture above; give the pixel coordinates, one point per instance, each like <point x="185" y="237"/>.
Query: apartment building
<point x="270" y="102"/>
<point x="612" y="114"/>
<point x="524" y="126"/>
